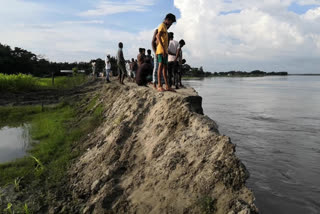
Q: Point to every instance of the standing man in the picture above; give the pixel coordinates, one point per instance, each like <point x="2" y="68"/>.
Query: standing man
<point x="172" y="62"/>
<point x="179" y="59"/>
<point x="93" y="69"/>
<point x="162" y="50"/>
<point x="121" y="64"/>
<point x="155" y="60"/>
<point x="140" y="57"/>
<point x="108" y="67"/>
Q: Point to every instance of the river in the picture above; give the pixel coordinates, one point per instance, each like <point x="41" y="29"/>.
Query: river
<point x="275" y="123"/>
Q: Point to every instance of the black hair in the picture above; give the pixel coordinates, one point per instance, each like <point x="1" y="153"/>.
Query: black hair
<point x="171" y="35"/>
<point x="120" y="44"/>
<point x="132" y="59"/>
<point x="140" y="50"/>
<point x="171" y="17"/>
<point x="149" y="51"/>
<point x="184" y="61"/>
<point x="182" y="42"/>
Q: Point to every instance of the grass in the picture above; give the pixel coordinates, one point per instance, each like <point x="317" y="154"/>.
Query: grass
<point x="56" y="131"/>
<point x="23" y="82"/>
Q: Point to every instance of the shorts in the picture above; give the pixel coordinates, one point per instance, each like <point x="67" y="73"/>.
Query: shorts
<point x="162" y="59"/>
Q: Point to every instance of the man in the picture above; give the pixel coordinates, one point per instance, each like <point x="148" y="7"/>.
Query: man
<point x="143" y="73"/>
<point x="108" y="67"/>
<point x="172" y="62"/>
<point x="155" y="62"/>
<point x="121" y="64"/>
<point x="93" y="64"/>
<point x="180" y="63"/>
<point x="148" y="56"/>
<point x="134" y="67"/>
<point x="141" y="56"/>
<point x="129" y="71"/>
<point x="162" y="50"/>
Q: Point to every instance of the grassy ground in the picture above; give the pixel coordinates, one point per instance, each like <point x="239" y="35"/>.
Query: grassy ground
<point x="56" y="131"/>
<point x="22" y="82"/>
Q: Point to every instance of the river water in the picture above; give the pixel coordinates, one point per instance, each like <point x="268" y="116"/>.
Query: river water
<point x="275" y="123"/>
<point x="14" y="142"/>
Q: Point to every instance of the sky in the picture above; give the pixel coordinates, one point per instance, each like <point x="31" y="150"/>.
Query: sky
<point x="220" y="35"/>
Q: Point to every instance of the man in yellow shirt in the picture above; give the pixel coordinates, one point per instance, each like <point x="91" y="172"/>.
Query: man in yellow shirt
<point x="162" y="50"/>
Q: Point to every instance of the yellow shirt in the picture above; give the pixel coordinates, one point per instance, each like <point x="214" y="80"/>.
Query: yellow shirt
<point x="164" y="38"/>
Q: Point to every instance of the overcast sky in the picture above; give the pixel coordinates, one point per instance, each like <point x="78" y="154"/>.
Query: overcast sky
<point x="220" y="35"/>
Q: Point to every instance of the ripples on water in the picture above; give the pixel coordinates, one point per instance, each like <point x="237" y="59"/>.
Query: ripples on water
<point x="275" y="122"/>
<point x="14" y="142"/>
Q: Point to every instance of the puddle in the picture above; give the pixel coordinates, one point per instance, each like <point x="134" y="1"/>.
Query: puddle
<point x="14" y="142"/>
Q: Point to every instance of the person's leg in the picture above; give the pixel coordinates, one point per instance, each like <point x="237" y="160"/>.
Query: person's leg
<point x="155" y="72"/>
<point x="123" y="73"/>
<point x="176" y="76"/>
<point x="180" y="76"/>
<point x="170" y="72"/>
<point x="159" y="75"/>
<point x="164" y="70"/>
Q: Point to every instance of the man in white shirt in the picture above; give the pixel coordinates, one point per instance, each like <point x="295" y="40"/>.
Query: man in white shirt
<point x="172" y="61"/>
<point x="108" y="67"/>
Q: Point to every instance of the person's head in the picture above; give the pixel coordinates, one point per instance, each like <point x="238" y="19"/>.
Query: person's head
<point x="184" y="61"/>
<point x="182" y="43"/>
<point x="140" y="50"/>
<point x="108" y="56"/>
<point x="132" y="60"/>
<point x="171" y="35"/>
<point x="149" y="52"/>
<point x="120" y="45"/>
<point x="143" y="51"/>
<point x="170" y="18"/>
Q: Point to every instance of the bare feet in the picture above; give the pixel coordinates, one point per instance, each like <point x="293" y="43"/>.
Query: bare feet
<point x="160" y="89"/>
<point x="170" y="89"/>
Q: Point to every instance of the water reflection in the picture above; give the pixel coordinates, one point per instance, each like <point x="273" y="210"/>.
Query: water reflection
<point x="14" y="142"/>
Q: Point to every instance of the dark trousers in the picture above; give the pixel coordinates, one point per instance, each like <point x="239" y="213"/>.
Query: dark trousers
<point x="172" y="73"/>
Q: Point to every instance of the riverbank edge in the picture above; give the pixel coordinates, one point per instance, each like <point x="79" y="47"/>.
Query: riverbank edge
<point x="189" y="99"/>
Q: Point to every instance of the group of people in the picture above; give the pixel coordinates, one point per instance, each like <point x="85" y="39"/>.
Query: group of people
<point x="164" y="68"/>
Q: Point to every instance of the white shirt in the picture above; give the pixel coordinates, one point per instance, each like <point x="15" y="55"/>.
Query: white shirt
<point x="108" y="64"/>
<point x="173" y="46"/>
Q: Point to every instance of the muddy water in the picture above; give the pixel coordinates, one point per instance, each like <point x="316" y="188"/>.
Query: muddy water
<point x="14" y="142"/>
<point x="275" y="122"/>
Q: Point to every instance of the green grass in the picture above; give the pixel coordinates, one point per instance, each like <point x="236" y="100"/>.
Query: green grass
<point x="56" y="132"/>
<point x="17" y="82"/>
<point x="22" y="82"/>
<point x="63" y="82"/>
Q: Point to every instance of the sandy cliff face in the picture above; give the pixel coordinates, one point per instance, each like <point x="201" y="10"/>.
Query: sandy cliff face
<point x="157" y="153"/>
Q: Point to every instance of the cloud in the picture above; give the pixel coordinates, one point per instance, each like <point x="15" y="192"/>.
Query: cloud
<point x="113" y="7"/>
<point x="259" y="35"/>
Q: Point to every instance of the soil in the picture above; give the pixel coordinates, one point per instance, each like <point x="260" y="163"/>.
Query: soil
<point x="155" y="152"/>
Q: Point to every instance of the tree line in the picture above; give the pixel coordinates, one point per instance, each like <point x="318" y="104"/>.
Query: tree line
<point x="17" y="60"/>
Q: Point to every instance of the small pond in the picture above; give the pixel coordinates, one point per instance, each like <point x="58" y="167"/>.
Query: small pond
<point x="14" y="142"/>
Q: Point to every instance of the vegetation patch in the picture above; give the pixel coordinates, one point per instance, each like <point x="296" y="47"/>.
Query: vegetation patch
<point x="24" y="82"/>
<point x="56" y="132"/>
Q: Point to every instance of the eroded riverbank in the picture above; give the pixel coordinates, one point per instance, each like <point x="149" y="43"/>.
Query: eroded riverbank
<point x="152" y="152"/>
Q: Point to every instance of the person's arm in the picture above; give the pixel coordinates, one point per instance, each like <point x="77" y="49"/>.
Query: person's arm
<point x="154" y="41"/>
<point x="159" y="40"/>
<point x="177" y="54"/>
